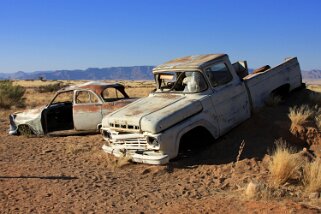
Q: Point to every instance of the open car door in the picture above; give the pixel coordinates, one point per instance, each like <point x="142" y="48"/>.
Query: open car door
<point x="57" y="116"/>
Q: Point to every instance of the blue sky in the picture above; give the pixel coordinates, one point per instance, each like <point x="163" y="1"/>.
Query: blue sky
<point x="77" y="34"/>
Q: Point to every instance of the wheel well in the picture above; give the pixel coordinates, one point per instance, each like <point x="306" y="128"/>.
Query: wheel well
<point x="281" y="91"/>
<point x="99" y="127"/>
<point x="196" y="139"/>
<point x="25" y="129"/>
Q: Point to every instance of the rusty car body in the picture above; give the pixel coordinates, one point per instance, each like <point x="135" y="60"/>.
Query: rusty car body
<point x="78" y="108"/>
<point x="203" y="92"/>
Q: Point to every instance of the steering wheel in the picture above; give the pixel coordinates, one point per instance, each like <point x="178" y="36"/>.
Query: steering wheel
<point x="170" y="84"/>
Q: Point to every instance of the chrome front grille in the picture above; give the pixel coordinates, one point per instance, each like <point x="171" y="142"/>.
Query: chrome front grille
<point x="129" y="141"/>
<point x="124" y="126"/>
<point x="137" y="143"/>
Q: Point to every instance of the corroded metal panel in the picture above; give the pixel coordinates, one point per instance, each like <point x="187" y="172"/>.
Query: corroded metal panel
<point x="86" y="116"/>
<point x="149" y="130"/>
<point x="261" y="85"/>
<point x="132" y="113"/>
<point x="195" y="61"/>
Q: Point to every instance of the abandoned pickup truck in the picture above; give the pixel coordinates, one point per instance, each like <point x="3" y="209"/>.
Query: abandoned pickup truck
<point x="195" y="92"/>
<point x="73" y="109"/>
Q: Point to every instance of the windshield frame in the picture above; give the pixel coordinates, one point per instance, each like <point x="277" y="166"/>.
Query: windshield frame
<point x="178" y="77"/>
<point x="57" y="94"/>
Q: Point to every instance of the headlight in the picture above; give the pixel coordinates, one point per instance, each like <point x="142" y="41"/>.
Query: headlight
<point x="11" y="119"/>
<point x="106" y="134"/>
<point x="152" y="142"/>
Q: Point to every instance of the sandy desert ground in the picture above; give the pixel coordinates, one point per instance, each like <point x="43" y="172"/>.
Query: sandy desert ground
<point x="72" y="174"/>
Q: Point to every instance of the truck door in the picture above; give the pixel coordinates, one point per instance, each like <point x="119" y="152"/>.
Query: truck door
<point x="86" y="110"/>
<point x="229" y="97"/>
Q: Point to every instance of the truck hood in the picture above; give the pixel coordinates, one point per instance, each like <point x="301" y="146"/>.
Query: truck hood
<point x="154" y="113"/>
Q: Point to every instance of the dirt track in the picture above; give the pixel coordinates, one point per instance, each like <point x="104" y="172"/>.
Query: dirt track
<point x="73" y="175"/>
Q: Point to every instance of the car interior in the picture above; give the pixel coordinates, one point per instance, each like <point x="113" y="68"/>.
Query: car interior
<point x="58" y="115"/>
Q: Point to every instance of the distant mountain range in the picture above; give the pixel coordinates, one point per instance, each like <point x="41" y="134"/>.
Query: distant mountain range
<point x="312" y="74"/>
<point x="112" y="73"/>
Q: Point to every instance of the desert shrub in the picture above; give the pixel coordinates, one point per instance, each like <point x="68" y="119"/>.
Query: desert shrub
<point x="300" y="115"/>
<point x="11" y="95"/>
<point x="285" y="164"/>
<point x="50" y="88"/>
<point x="312" y="176"/>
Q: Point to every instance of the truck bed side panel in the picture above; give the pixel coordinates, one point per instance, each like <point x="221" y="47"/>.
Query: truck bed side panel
<point x="262" y="84"/>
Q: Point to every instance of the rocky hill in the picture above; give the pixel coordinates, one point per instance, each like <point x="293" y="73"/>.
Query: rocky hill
<point x="114" y="73"/>
<point x="111" y="73"/>
<point x="312" y="74"/>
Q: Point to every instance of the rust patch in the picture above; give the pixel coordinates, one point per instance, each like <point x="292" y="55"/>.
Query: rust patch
<point x="115" y="105"/>
<point x="261" y="69"/>
<point x="189" y="61"/>
<point x="169" y="96"/>
<point x="87" y="108"/>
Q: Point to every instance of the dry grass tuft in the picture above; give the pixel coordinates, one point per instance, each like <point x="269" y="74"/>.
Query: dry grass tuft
<point x="241" y="148"/>
<point x="240" y="151"/>
<point x="312" y="176"/>
<point x="299" y="115"/>
<point x="285" y="164"/>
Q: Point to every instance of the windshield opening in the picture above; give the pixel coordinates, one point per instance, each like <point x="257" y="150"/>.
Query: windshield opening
<point x="63" y="97"/>
<point x="180" y="81"/>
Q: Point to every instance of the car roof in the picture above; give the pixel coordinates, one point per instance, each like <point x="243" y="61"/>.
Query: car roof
<point x="188" y="62"/>
<point x="96" y="86"/>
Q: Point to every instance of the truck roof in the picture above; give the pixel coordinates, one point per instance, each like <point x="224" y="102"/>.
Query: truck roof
<point x="188" y="62"/>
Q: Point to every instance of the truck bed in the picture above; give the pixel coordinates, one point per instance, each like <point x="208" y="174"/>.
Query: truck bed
<point x="286" y="76"/>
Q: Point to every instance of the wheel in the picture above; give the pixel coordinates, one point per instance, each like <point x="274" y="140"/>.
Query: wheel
<point x="25" y="130"/>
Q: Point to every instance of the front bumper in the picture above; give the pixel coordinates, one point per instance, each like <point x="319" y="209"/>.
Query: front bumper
<point x="148" y="157"/>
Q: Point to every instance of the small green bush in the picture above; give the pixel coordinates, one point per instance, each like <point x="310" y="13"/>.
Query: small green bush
<point x="11" y="95"/>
